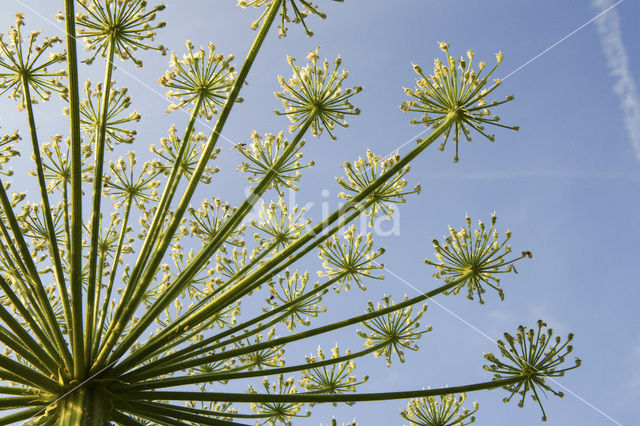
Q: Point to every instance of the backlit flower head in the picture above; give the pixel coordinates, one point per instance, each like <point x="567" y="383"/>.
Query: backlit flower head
<point x="351" y="260"/>
<point x="57" y="162"/>
<point x="32" y="219"/>
<point x="117" y="118"/>
<point x="474" y="258"/>
<point x="447" y="411"/>
<point x="394" y="332"/>
<point x="24" y="59"/>
<point x="316" y="91"/>
<point x="207" y="220"/>
<point x="126" y="24"/>
<point x="124" y="184"/>
<point x="263" y="154"/>
<point x="291" y="288"/>
<point x="363" y="172"/>
<point x="455" y="89"/>
<point x="199" y="78"/>
<point x="532" y="355"/>
<point x="168" y="153"/>
<point x="333" y="379"/>
<point x="278" y="225"/>
<point x="278" y="412"/>
<point x="295" y="11"/>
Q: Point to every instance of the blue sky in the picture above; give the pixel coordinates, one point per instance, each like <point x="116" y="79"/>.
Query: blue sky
<point x="567" y="184"/>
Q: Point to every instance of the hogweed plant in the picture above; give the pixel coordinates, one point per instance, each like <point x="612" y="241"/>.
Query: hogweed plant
<point x="111" y="315"/>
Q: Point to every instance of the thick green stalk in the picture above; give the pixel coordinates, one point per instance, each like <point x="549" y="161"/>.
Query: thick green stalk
<point x="19" y="332"/>
<point x="98" y="168"/>
<point x="167" y="414"/>
<point x="21" y="415"/>
<point x="19" y="402"/>
<point x="41" y="295"/>
<point x="167" y="194"/>
<point x="45" y="339"/>
<point x="73" y="409"/>
<point x="31" y="313"/>
<point x="124" y="419"/>
<point x="153" y="344"/>
<point x="28" y="376"/>
<point x="259" y="275"/>
<point x="133" y="284"/>
<point x="302" y="335"/>
<point x="17" y="346"/>
<point x="196" y="264"/>
<point x="75" y="257"/>
<point x="195" y="349"/>
<point x="205" y="412"/>
<point x="112" y="277"/>
<point x="317" y="398"/>
<point x="168" y="382"/>
<point x="52" y="241"/>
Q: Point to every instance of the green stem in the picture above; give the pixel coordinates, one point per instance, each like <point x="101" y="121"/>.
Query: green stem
<point x="133" y="284"/>
<point x="196" y="264"/>
<point x="112" y="277"/>
<point x="305" y="334"/>
<point x="167" y="413"/>
<point x="28" y="376"/>
<point x="314" y="397"/>
<point x="100" y="137"/>
<point x="167" y="382"/>
<point x="52" y="241"/>
<point x="44" y="339"/>
<point x="37" y="287"/>
<point x="72" y="410"/>
<point x="23" y="351"/>
<point x="174" y="358"/>
<point x="22" y="415"/>
<point x="163" y="206"/>
<point x="193" y="317"/>
<point x="254" y="279"/>
<point x="75" y="257"/>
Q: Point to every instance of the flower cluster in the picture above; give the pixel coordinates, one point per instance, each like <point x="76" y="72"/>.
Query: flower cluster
<point x="126" y="26"/>
<point x="20" y="65"/>
<point x="296" y="11"/>
<point x="315" y="93"/>
<point x="351" y="260"/>
<point x="393" y="332"/>
<point x="363" y="172"/>
<point x="277" y="226"/>
<point x="168" y="153"/>
<point x="57" y="162"/>
<point x="90" y="112"/>
<point x="124" y="185"/>
<point x="531" y="355"/>
<point x="291" y="289"/>
<point x="473" y="258"/>
<point x="200" y="79"/>
<point x="265" y="154"/>
<point x="427" y="411"/>
<point x="334" y="379"/>
<point x="278" y="412"/>
<point x="456" y="90"/>
<point x="209" y="218"/>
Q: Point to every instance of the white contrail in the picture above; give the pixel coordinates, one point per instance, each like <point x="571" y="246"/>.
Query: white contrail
<point x="618" y="64"/>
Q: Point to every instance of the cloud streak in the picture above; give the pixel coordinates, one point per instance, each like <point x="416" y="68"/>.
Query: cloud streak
<point x="618" y="63"/>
